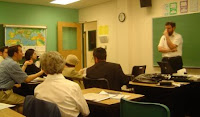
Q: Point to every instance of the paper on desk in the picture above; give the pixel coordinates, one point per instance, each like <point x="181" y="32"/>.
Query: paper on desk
<point x="3" y="105"/>
<point x="194" y="77"/>
<point x="176" y="84"/>
<point x="115" y="95"/>
<point x="96" y="97"/>
<point x="120" y="96"/>
<point x="38" y="79"/>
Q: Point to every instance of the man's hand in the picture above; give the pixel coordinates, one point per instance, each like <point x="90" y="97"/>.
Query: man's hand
<point x="17" y="85"/>
<point x="174" y="50"/>
<point x="166" y="33"/>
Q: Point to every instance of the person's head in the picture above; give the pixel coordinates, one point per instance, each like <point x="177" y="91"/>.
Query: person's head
<point x="30" y="54"/>
<point x="170" y="26"/>
<point x="52" y="62"/>
<point x="15" y="52"/>
<point x="4" y="51"/>
<point x="99" y="54"/>
<point x="71" y="60"/>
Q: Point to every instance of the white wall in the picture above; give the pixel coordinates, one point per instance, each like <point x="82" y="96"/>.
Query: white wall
<point x="130" y="42"/>
<point x="104" y="14"/>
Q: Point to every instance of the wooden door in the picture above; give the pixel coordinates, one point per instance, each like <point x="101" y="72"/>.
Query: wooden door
<point x="89" y="27"/>
<point x="69" y="40"/>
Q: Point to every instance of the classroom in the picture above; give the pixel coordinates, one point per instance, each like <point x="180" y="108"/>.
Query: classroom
<point x="130" y="42"/>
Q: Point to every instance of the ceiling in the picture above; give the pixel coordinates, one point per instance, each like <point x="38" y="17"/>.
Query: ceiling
<point x="77" y="5"/>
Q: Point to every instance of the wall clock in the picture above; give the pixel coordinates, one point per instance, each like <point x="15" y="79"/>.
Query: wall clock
<point x="122" y="17"/>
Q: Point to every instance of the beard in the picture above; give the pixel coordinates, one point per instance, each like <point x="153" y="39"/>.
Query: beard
<point x="170" y="33"/>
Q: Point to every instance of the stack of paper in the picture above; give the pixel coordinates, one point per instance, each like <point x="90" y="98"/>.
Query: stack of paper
<point x="194" y="77"/>
<point x="3" y="105"/>
<point x="95" y="97"/>
<point x="104" y="95"/>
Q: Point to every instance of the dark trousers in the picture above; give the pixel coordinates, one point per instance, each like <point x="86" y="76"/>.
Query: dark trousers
<point x="175" y="62"/>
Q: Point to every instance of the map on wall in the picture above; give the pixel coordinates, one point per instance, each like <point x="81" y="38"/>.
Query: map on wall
<point x="34" y="38"/>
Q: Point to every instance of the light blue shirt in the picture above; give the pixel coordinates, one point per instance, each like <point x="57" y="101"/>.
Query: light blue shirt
<point x="10" y="73"/>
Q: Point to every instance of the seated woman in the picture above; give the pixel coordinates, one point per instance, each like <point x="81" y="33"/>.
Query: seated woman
<point x="70" y="71"/>
<point x="31" y="55"/>
<point x="56" y="89"/>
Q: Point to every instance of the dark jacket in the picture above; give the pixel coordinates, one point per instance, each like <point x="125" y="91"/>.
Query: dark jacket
<point x="111" y="71"/>
<point x="34" y="107"/>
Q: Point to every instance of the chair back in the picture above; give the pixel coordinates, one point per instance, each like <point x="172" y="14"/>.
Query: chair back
<point x="99" y="83"/>
<point x="137" y="70"/>
<point x="142" y="109"/>
<point x="34" y="107"/>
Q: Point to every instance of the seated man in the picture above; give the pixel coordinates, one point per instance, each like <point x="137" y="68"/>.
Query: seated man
<point x="3" y="53"/>
<point x="110" y="71"/>
<point x="56" y="89"/>
<point x="11" y="73"/>
<point x="30" y="68"/>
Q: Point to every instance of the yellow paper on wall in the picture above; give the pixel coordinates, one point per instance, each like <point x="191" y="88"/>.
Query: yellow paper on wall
<point x="103" y="30"/>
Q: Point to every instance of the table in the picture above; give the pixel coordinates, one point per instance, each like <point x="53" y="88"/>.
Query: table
<point x="7" y="112"/>
<point x="108" y="107"/>
<point x="171" y="96"/>
<point x="28" y="88"/>
<point x="156" y="85"/>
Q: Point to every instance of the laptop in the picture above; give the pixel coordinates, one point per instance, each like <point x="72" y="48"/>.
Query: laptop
<point x="166" y="68"/>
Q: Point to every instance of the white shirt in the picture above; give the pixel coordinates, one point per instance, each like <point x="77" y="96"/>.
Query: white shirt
<point x="1" y="59"/>
<point x="65" y="93"/>
<point x="175" y="39"/>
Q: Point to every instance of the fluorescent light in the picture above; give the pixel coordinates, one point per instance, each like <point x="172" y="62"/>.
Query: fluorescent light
<point x="63" y="2"/>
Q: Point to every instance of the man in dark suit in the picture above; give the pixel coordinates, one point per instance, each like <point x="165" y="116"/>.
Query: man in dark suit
<point x="111" y="71"/>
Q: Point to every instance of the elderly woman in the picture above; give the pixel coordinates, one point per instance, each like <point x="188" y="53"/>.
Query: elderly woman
<point x="70" y="71"/>
<point x="56" y="89"/>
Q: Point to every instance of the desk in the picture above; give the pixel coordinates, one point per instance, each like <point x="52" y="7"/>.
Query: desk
<point x="109" y="107"/>
<point x="7" y="112"/>
<point x="172" y="96"/>
<point x="155" y="85"/>
<point x="28" y="88"/>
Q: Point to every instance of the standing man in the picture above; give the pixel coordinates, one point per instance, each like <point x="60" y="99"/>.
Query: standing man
<point x="171" y="46"/>
<point x="11" y="73"/>
<point x="3" y="53"/>
<point x="110" y="71"/>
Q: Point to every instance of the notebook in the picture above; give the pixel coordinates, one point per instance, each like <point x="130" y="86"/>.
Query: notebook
<point x="166" y="68"/>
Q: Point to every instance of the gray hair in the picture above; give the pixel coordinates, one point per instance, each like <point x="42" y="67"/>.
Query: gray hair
<point x="52" y="62"/>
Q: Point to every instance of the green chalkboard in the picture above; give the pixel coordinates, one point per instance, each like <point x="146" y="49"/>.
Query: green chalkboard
<point x="189" y="27"/>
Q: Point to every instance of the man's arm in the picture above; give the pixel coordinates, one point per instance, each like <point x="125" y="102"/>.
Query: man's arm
<point x="33" y="76"/>
<point x="164" y="50"/>
<point x="124" y="80"/>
